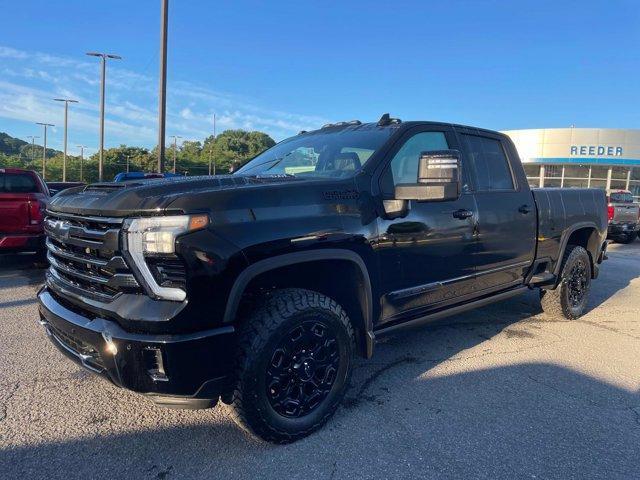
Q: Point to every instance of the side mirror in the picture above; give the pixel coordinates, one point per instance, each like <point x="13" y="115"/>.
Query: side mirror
<point x="438" y="178"/>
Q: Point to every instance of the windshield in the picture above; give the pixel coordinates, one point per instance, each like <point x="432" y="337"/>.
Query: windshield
<point x="322" y="154"/>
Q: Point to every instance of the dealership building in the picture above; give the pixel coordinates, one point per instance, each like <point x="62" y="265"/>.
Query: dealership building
<point x="580" y="157"/>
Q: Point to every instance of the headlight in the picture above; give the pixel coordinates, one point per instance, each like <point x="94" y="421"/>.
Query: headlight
<point x="157" y="236"/>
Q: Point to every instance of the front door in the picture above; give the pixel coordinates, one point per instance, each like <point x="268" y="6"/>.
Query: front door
<point x="426" y="257"/>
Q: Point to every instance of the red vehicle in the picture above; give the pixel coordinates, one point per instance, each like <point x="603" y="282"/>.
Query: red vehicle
<point x="23" y="197"/>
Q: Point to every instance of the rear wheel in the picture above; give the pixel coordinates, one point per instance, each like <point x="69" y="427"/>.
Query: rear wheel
<point x="569" y="299"/>
<point x="296" y="355"/>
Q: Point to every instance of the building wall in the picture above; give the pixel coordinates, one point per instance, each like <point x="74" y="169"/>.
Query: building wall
<point x="580" y="157"/>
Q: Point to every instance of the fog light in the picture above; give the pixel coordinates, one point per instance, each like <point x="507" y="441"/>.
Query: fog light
<point x="111" y="346"/>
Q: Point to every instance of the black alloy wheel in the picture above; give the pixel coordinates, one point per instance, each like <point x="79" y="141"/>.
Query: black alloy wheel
<point x="294" y="365"/>
<point x="577" y="282"/>
<point x="303" y="369"/>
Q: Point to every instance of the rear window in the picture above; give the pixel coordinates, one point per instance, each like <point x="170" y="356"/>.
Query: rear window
<point x="17" y="183"/>
<point x="621" y="197"/>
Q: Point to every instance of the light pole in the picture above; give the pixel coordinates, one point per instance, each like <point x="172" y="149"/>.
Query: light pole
<point x="175" y="149"/>
<point x="162" y="87"/>
<point x="211" y="146"/>
<point x="128" y="163"/>
<point x="33" y="144"/>
<point x="81" y="147"/>
<point x="44" y="148"/>
<point x="104" y="57"/>
<point x="66" y="116"/>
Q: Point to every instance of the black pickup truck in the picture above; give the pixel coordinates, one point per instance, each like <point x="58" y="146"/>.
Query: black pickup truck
<point x="258" y="288"/>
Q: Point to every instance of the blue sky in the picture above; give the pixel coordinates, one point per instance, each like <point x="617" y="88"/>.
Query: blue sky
<point x="284" y="66"/>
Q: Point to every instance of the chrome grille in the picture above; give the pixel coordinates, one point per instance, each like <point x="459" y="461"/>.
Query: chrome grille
<point x="85" y="257"/>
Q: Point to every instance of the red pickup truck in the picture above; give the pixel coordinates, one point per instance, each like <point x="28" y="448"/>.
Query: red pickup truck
<point x="23" y="197"/>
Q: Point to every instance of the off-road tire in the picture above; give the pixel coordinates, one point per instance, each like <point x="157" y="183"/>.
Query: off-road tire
<point x="260" y="337"/>
<point x="556" y="303"/>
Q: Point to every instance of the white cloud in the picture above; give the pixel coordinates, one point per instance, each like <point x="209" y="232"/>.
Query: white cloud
<point x="8" y="52"/>
<point x="131" y="102"/>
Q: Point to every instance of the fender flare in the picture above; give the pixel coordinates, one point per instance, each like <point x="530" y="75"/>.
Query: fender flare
<point x="272" y="263"/>
<point x="564" y="240"/>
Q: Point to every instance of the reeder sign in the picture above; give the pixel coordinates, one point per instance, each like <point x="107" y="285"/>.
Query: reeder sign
<point x="601" y="150"/>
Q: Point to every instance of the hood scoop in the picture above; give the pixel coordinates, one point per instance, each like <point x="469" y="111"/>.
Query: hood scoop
<point x="108" y="187"/>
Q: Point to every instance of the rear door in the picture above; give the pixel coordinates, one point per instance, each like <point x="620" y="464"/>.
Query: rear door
<point x="506" y="226"/>
<point x="426" y="256"/>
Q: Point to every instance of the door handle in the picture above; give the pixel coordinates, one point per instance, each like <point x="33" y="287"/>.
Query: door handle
<point x="524" y="209"/>
<point x="462" y="214"/>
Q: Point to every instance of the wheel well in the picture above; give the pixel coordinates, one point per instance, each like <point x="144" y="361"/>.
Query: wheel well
<point x="342" y="280"/>
<point x="587" y="238"/>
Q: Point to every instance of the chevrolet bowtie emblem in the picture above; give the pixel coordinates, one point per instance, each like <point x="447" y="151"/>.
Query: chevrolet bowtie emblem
<point x="60" y="228"/>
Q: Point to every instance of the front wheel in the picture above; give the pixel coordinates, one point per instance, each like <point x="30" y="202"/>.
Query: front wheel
<point x="295" y="361"/>
<point x="569" y="298"/>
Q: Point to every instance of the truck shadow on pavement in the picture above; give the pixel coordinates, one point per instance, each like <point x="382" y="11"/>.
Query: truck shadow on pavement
<point x="532" y="420"/>
<point x="454" y="399"/>
<point x="399" y="419"/>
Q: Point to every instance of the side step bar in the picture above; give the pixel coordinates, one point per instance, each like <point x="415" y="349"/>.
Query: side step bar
<point x="452" y="311"/>
<point x="543" y="278"/>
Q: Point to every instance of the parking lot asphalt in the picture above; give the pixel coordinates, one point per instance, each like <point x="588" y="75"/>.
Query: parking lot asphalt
<point x="501" y="392"/>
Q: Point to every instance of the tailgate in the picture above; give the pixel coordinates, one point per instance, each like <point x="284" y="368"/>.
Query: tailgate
<point x="625" y="213"/>
<point x="14" y="212"/>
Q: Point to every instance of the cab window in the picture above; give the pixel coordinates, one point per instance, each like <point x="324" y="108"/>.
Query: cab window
<point x="489" y="162"/>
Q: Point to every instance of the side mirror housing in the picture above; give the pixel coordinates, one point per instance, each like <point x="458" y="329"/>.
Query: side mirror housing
<point x="438" y="178"/>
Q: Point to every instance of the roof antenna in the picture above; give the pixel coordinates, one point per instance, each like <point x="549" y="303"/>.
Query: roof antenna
<point x="385" y="119"/>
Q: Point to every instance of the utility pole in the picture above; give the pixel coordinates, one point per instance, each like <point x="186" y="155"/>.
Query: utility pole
<point x="128" y="163"/>
<point x="162" y="94"/>
<point x="81" y="147"/>
<point x="175" y="149"/>
<point x="33" y="144"/>
<point x="66" y="116"/>
<point x="104" y="57"/>
<point x="44" y="148"/>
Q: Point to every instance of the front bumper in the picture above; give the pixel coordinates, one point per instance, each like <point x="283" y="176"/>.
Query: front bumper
<point x="187" y="370"/>
<point x="622" y="228"/>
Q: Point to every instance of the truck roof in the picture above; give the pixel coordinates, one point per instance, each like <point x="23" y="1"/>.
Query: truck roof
<point x="395" y="124"/>
<point x="15" y="170"/>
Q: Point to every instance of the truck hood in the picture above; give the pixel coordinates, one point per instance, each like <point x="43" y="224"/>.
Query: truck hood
<point x="184" y="194"/>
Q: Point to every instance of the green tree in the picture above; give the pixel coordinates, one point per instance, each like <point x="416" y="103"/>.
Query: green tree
<point x="235" y="147"/>
<point x="230" y="148"/>
<point x="115" y="161"/>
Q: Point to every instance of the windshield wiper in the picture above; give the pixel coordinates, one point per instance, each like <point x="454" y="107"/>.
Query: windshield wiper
<point x="275" y="162"/>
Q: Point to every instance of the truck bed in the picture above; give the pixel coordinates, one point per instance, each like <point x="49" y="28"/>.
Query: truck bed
<point x="564" y="211"/>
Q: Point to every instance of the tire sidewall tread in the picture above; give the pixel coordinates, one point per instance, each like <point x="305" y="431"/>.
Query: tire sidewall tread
<point x="556" y="302"/>
<point x="258" y="334"/>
